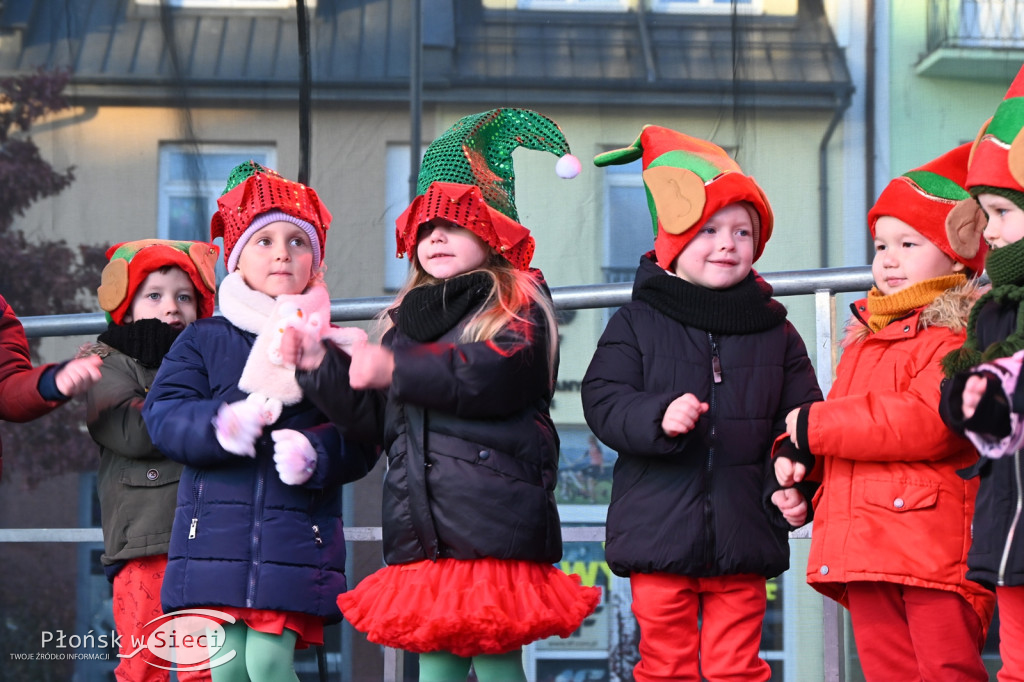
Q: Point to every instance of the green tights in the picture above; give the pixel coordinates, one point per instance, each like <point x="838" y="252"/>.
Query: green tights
<point x="258" y="657"/>
<point x="442" y="666"/>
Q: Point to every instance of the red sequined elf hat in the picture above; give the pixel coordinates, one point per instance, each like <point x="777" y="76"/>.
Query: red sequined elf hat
<point x="256" y="196"/>
<point x="687" y="181"/>
<point x="131" y="262"/>
<point x="467" y="179"/>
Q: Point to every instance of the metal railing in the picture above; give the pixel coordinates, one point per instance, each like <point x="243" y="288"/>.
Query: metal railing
<point x="822" y="284"/>
<point x="995" y="24"/>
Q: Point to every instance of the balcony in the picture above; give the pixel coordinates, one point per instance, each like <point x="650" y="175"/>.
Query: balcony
<point x="974" y="39"/>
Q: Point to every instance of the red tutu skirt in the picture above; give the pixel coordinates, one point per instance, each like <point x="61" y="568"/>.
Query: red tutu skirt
<point x="467" y="607"/>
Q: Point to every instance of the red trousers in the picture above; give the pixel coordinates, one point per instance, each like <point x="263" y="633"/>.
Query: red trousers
<point x="1010" y="601"/>
<point x="915" y="633"/>
<point x="136" y="603"/>
<point x="694" y="627"/>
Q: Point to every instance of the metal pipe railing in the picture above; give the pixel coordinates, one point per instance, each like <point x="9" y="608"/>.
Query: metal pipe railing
<point x="823" y="284"/>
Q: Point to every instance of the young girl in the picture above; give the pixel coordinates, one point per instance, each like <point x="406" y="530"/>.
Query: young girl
<point x="458" y="392"/>
<point x="264" y="547"/>
<point x="151" y="290"/>
<point x="995" y="332"/>
<point x="892" y="518"/>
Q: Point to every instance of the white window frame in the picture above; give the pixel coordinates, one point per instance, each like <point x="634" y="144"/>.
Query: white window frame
<point x="398" y="167"/>
<point x="207" y="189"/>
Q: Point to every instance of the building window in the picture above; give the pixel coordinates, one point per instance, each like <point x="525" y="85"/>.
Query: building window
<point x="191" y="178"/>
<point x="628" y="233"/>
<point x="576" y="5"/>
<point x="707" y="6"/>
<point x="992" y="23"/>
<point x="396" y="198"/>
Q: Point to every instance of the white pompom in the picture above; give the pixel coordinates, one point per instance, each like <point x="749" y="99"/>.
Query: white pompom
<point x="568" y="167"/>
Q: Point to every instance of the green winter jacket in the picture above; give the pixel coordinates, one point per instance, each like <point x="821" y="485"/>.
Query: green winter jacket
<point x="137" y="485"/>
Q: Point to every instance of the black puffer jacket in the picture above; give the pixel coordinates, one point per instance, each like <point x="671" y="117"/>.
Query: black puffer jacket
<point x="996" y="556"/>
<point x="472" y="450"/>
<point x="696" y="504"/>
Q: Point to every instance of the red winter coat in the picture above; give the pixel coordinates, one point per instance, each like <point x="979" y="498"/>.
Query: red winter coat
<point x="891" y="507"/>
<point x="20" y="400"/>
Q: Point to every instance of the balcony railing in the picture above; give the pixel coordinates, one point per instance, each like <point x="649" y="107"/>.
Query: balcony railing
<point x="995" y="24"/>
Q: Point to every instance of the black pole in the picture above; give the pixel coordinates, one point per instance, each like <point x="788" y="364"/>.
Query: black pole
<point x="305" y="88"/>
<point x="415" y="94"/>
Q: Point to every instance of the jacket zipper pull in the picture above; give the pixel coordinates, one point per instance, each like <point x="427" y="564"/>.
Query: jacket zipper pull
<point x="316" y="534"/>
<point x="716" y="362"/>
<point x="192" y="528"/>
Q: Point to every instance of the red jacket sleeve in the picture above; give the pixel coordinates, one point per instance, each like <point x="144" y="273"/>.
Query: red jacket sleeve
<point x="20" y="400"/>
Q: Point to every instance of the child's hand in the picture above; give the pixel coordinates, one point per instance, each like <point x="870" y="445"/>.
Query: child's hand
<point x="372" y="366"/>
<point x="682" y="414"/>
<point x="294" y="456"/>
<point x="300" y="349"/>
<point x="792" y="504"/>
<point x="974" y="389"/>
<point x="78" y="375"/>
<point x="791" y="425"/>
<point x="788" y="472"/>
<point x="238" y="425"/>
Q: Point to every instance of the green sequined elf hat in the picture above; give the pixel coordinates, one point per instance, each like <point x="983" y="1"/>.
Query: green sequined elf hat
<point x="687" y="181"/>
<point x="467" y="178"/>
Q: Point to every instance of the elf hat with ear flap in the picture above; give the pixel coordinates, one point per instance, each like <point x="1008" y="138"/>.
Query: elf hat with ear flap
<point x="687" y="180"/>
<point x="933" y="200"/>
<point x="997" y="158"/>
<point x="467" y="178"/>
<point x="131" y="262"/>
<point x="256" y="196"/>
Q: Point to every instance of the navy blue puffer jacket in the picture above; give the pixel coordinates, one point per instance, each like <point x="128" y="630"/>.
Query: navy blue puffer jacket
<point x="241" y="537"/>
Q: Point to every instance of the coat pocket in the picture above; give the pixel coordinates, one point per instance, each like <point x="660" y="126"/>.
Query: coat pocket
<point x="901" y="497"/>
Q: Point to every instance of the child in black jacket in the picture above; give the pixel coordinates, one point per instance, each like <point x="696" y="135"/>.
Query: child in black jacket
<point x="691" y="383"/>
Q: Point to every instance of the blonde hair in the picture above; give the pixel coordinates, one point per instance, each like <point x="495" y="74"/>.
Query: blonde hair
<point x="513" y="293"/>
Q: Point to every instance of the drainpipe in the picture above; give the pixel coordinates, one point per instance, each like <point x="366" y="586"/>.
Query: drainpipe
<point x="645" y="41"/>
<point x="841" y="108"/>
<point x="415" y="94"/>
<point x="305" y="90"/>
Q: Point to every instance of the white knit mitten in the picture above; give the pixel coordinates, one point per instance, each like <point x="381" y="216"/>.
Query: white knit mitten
<point x="294" y="456"/>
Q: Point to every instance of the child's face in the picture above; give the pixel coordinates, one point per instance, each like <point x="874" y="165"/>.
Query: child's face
<point x="445" y="250"/>
<point x="166" y="296"/>
<point x="277" y="260"/>
<point x="721" y="254"/>
<point x="1005" y="220"/>
<point x="903" y="257"/>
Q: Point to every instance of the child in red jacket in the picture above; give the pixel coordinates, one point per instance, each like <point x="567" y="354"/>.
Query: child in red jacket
<point x="892" y="518"/>
<point x="28" y="392"/>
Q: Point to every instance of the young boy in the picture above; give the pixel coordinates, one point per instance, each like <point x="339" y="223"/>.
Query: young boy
<point x="151" y="290"/>
<point x="691" y="383"/>
<point x="892" y="518"/>
<point x="995" y="178"/>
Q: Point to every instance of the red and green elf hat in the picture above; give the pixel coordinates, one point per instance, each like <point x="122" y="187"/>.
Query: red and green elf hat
<point x="687" y="180"/>
<point x="467" y="178"/>
<point x="997" y="158"/>
<point x="933" y="200"/>
<point x="256" y="196"/>
<point x="131" y="262"/>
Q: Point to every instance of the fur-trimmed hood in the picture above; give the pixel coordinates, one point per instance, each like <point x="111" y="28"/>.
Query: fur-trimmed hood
<point x="949" y="309"/>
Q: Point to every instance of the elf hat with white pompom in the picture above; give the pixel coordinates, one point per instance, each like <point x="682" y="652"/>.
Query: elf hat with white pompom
<point x="467" y="179"/>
